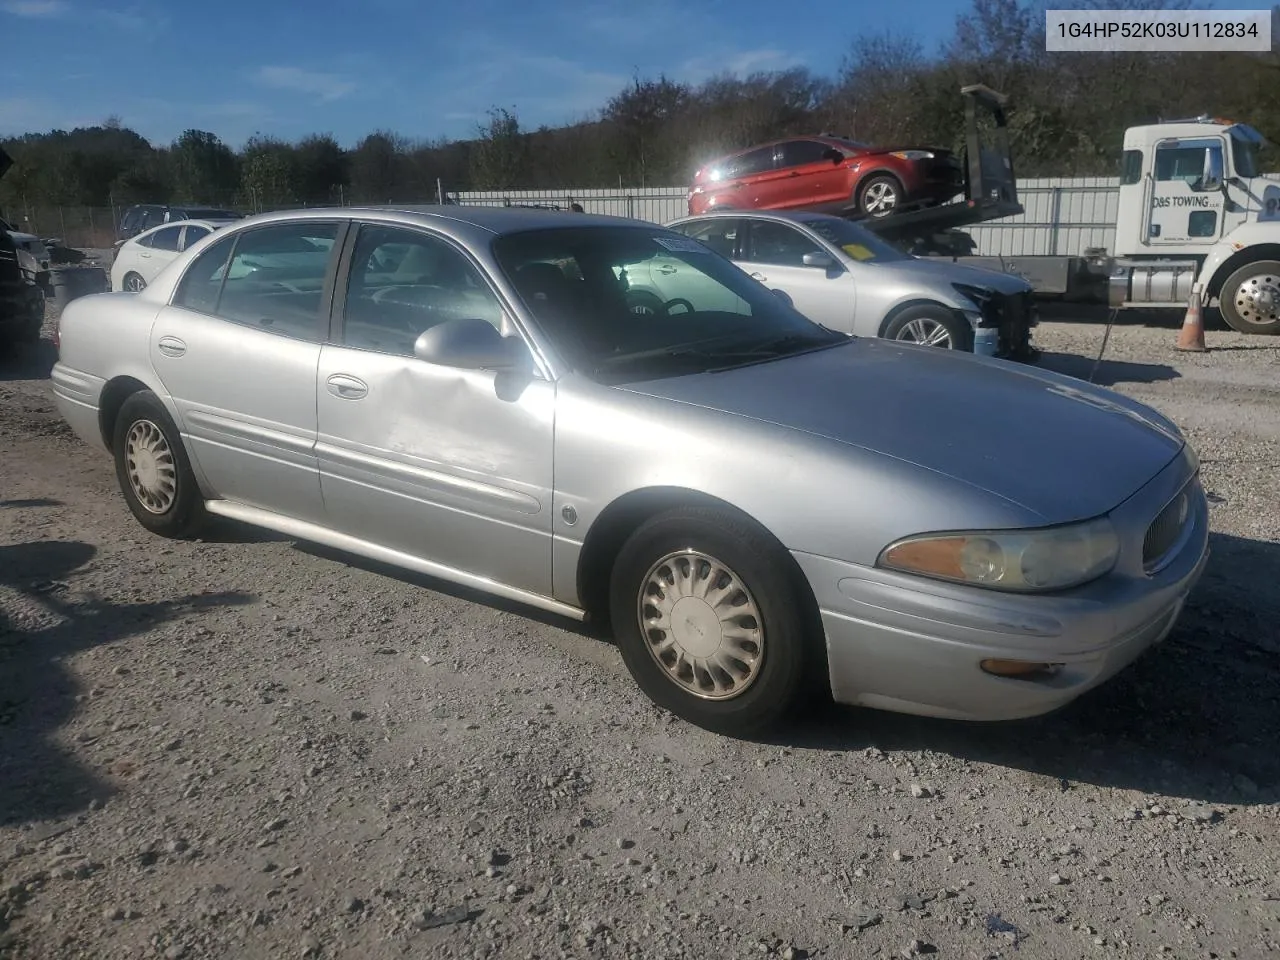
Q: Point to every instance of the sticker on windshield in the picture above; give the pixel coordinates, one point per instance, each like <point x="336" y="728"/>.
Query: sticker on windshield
<point x="681" y="245"/>
<point x="858" y="251"/>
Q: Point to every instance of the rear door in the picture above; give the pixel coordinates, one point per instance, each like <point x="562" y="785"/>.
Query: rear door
<point x="157" y="251"/>
<point x="238" y="349"/>
<point x="773" y="253"/>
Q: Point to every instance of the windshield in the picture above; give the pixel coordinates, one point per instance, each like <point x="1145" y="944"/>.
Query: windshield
<point x="631" y="303"/>
<point x="858" y="242"/>
<point x="1246" y="143"/>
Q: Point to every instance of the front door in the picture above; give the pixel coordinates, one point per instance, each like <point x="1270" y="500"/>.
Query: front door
<point x="773" y="253"/>
<point x="448" y="465"/>
<point x="1182" y="212"/>
<point x="813" y="178"/>
<point x="237" y="351"/>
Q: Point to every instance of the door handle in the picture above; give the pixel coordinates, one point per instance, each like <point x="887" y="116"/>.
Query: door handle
<point x="756" y="274"/>
<point x="144" y="256"/>
<point x="348" y="388"/>
<point x="794" y="173"/>
<point x="667" y="268"/>
<point x="171" y="346"/>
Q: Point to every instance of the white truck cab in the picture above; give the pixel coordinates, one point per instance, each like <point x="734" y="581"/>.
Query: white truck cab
<point x="1196" y="214"/>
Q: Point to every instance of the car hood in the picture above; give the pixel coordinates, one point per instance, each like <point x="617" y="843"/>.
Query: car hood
<point x="1053" y="445"/>
<point x="945" y="271"/>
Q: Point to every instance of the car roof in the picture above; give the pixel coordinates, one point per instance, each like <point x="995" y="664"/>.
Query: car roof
<point x="495" y="220"/>
<point x="784" y="216"/>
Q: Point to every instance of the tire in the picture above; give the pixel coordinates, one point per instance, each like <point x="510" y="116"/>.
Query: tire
<point x="133" y="282"/>
<point x="921" y="323"/>
<point x="778" y="664"/>
<point x="166" y="499"/>
<point x="1250" y="298"/>
<point x="880" y="196"/>
<point x="643" y="302"/>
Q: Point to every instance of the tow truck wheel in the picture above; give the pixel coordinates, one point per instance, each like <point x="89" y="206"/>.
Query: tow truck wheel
<point x="1250" y="298"/>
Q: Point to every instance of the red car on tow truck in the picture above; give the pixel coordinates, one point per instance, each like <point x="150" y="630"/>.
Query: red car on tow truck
<point x="829" y="174"/>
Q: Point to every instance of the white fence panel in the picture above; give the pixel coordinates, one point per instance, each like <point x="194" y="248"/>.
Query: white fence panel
<point x="1063" y="216"/>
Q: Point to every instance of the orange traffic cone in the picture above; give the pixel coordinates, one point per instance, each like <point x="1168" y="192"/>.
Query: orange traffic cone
<point x="1191" y="336"/>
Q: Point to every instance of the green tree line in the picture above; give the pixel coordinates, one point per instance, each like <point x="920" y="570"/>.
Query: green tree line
<point x="1068" y="112"/>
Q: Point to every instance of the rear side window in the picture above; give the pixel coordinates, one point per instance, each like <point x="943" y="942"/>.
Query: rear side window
<point x="753" y="162"/>
<point x="201" y="285"/>
<point x="276" y="276"/>
<point x="166" y="239"/>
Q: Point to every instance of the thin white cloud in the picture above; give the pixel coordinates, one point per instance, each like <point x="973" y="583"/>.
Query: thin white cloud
<point x="35" y="8"/>
<point x="325" y="86"/>
<point x="738" y="63"/>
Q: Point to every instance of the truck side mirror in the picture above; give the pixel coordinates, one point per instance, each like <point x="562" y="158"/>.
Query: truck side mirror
<point x="1211" y="177"/>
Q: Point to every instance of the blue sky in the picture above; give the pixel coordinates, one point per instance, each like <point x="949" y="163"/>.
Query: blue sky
<point x="424" y="69"/>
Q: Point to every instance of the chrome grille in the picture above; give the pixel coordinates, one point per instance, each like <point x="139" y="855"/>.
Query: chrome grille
<point x="1166" y="529"/>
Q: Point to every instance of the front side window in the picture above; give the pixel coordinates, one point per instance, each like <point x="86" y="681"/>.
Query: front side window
<point x="1184" y="159"/>
<point x="779" y="244"/>
<point x="404" y="282"/>
<point x="797" y="153"/>
<point x="573" y="280"/>
<point x="193" y="236"/>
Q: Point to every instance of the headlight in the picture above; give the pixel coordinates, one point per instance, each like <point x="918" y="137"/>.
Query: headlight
<point x="979" y="295"/>
<point x="1024" y="561"/>
<point x="912" y="154"/>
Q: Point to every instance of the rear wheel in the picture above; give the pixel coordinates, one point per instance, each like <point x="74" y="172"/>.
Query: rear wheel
<point x="1250" y="298"/>
<point x="932" y="326"/>
<point x="710" y="621"/>
<point x="152" y="468"/>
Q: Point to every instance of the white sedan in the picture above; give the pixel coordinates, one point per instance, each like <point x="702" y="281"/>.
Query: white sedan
<point x="141" y="258"/>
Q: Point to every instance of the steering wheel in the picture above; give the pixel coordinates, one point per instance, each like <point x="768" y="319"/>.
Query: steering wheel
<point x="666" y="307"/>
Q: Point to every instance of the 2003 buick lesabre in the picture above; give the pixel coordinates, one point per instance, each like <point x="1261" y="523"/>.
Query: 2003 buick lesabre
<point x="753" y="501"/>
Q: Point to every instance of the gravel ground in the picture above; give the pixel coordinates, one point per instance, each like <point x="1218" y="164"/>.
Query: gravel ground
<point x="247" y="747"/>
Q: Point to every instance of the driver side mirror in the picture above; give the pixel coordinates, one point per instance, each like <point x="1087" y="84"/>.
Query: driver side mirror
<point x="1212" y="175"/>
<point x="472" y="344"/>
<point x="820" y="260"/>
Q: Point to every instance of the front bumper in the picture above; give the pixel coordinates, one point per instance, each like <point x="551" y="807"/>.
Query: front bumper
<point x="910" y="645"/>
<point x="1012" y="316"/>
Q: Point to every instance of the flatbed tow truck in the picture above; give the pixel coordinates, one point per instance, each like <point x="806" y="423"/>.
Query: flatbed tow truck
<point x="1196" y="219"/>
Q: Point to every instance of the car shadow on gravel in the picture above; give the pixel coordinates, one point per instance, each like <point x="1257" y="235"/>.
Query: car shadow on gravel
<point x="1196" y="718"/>
<point x="39" y="778"/>
<point x="29" y="362"/>
<point x="1108" y="373"/>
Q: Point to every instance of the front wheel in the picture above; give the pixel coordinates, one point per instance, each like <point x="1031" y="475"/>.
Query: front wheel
<point x="880" y="196"/>
<point x="152" y="468"/>
<point x="931" y="326"/>
<point x="710" y="621"/>
<point x="1250" y="298"/>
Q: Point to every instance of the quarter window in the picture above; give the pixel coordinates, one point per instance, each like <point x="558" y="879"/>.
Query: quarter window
<point x="404" y="282"/>
<point x="193" y="236"/>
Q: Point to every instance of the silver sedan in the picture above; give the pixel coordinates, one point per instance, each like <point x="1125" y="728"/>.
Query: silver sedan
<point x="845" y="277"/>
<point x="756" y="504"/>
